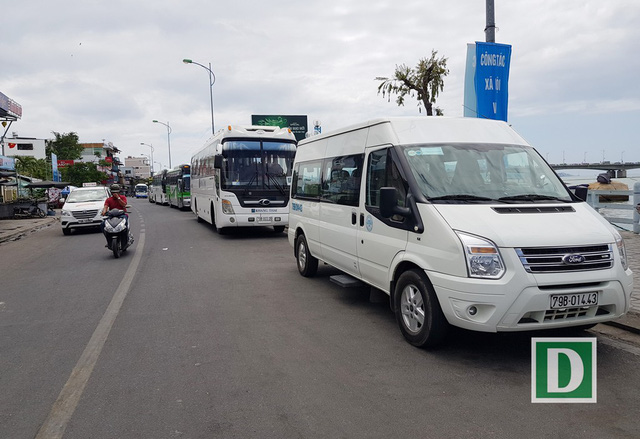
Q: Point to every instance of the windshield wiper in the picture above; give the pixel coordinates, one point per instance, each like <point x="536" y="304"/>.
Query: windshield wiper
<point x="460" y="197"/>
<point x="275" y="183"/>
<point x="532" y="197"/>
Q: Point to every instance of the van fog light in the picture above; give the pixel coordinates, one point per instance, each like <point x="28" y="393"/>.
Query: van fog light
<point x="232" y="219"/>
<point x="473" y="310"/>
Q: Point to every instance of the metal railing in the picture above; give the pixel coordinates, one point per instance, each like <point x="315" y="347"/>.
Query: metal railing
<point x="593" y="198"/>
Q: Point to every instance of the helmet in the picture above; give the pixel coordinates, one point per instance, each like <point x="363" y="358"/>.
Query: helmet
<point x="114" y="188"/>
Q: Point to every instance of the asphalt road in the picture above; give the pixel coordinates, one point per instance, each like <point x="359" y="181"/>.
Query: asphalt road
<point x="195" y="335"/>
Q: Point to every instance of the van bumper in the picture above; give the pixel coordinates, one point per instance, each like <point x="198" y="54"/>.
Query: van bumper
<point x="522" y="302"/>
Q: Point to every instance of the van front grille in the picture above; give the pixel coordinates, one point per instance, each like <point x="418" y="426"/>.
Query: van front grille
<point x="566" y="259"/>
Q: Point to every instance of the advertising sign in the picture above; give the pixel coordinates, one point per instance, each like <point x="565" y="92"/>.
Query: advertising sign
<point x="487" y="80"/>
<point x="54" y="167"/>
<point x="298" y="124"/>
<point x="7" y="163"/>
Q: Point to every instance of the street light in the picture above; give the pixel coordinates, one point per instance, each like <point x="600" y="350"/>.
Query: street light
<point x="150" y="146"/>
<point x="212" y="80"/>
<point x="168" y="138"/>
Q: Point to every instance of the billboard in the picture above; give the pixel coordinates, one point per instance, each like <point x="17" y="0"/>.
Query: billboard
<point x="298" y="124"/>
<point x="486" y="93"/>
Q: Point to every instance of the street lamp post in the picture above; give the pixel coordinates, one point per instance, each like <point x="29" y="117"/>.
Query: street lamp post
<point x="168" y="138"/>
<point x="212" y="80"/>
<point x="150" y="146"/>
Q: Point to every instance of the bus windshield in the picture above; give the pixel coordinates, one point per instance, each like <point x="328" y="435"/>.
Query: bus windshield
<point x="254" y="164"/>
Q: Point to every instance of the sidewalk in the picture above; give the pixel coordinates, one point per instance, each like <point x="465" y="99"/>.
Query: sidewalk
<point x="12" y="229"/>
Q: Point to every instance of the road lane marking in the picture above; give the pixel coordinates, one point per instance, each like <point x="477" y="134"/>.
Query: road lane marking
<point x="62" y="410"/>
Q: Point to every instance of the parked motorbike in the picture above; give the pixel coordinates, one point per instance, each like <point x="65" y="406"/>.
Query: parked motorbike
<point x="118" y="234"/>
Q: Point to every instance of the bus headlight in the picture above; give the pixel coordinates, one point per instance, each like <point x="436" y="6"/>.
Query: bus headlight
<point x="482" y="257"/>
<point x="227" y="207"/>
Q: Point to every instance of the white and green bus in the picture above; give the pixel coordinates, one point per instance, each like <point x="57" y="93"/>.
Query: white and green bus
<point x="241" y="178"/>
<point x="179" y="186"/>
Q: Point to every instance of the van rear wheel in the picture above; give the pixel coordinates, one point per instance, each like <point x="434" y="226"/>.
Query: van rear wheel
<point x="418" y="311"/>
<point x="307" y="264"/>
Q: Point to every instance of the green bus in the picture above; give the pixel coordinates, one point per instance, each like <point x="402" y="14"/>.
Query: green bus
<point x="179" y="187"/>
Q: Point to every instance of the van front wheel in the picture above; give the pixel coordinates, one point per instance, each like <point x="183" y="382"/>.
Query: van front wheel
<point x="307" y="264"/>
<point x="418" y="311"/>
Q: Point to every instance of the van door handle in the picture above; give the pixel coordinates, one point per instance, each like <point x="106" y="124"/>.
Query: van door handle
<point x="362" y="220"/>
<point x="353" y="218"/>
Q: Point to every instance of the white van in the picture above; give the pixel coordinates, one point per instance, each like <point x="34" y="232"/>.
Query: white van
<point x="461" y="222"/>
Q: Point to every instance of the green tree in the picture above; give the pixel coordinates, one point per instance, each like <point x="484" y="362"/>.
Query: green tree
<point x="424" y="82"/>
<point x="32" y="167"/>
<point x="65" y="146"/>
<point x="81" y="172"/>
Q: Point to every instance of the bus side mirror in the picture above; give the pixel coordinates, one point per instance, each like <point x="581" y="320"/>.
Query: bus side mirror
<point x="389" y="203"/>
<point x="217" y="162"/>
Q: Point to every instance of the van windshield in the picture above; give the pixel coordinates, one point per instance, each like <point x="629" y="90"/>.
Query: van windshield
<point x="483" y="173"/>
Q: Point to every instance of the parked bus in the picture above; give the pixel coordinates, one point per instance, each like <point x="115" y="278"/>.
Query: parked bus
<point x="241" y="178"/>
<point x="141" y="191"/>
<point x="179" y="187"/>
<point x="159" y="188"/>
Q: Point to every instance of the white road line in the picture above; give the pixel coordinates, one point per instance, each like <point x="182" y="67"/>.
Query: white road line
<point x="62" y="410"/>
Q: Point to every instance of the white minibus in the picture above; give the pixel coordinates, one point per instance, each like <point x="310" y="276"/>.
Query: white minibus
<point x="461" y="222"/>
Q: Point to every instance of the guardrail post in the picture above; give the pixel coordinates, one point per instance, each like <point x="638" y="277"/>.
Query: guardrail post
<point x="636" y="203"/>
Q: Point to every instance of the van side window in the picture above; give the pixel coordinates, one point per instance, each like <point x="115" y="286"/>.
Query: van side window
<point x="383" y="172"/>
<point x="341" y="179"/>
<point x="306" y="180"/>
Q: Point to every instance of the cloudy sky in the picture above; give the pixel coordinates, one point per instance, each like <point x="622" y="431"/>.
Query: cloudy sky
<point x="106" y="69"/>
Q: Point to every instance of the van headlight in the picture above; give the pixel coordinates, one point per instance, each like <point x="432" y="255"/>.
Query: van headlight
<point x="482" y="256"/>
<point x="65" y="213"/>
<point x="622" y="251"/>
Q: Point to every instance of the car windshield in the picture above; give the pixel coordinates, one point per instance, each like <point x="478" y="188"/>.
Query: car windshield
<point x="83" y="196"/>
<point x="475" y="173"/>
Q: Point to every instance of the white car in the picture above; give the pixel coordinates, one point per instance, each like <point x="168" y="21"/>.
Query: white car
<point x="82" y="208"/>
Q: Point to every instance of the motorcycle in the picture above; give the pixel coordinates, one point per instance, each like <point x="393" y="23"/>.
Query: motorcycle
<point x="117" y="232"/>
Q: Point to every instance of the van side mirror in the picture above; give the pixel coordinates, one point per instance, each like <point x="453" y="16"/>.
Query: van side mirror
<point x="389" y="203"/>
<point x="217" y="162"/>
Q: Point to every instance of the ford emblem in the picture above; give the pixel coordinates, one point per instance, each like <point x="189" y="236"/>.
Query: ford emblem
<point x="573" y="259"/>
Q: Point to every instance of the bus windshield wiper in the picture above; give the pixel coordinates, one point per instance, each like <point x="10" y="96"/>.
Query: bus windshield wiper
<point x="275" y="183"/>
<point x="460" y="197"/>
<point x="532" y="197"/>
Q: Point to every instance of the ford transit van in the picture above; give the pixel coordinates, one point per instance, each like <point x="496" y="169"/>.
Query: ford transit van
<point x="461" y="222"/>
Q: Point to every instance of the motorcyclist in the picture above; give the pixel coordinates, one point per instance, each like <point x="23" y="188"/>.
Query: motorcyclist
<point x="115" y="201"/>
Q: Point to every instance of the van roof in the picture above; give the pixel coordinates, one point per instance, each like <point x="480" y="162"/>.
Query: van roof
<point x="432" y="129"/>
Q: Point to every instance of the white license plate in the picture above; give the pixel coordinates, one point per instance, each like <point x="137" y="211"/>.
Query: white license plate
<point x="560" y="301"/>
<point x="82" y="221"/>
<point x="265" y="219"/>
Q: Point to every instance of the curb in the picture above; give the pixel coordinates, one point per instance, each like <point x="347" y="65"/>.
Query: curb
<point x="629" y="322"/>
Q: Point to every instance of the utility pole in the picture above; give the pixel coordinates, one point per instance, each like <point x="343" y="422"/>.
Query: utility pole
<point x="490" y="29"/>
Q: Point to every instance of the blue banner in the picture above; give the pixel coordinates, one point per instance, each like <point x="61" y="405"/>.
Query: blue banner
<point x="492" y="80"/>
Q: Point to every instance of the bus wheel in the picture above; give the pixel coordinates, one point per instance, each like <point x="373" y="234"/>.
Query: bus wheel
<point x="418" y="311"/>
<point x="278" y="229"/>
<point x="307" y="264"/>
